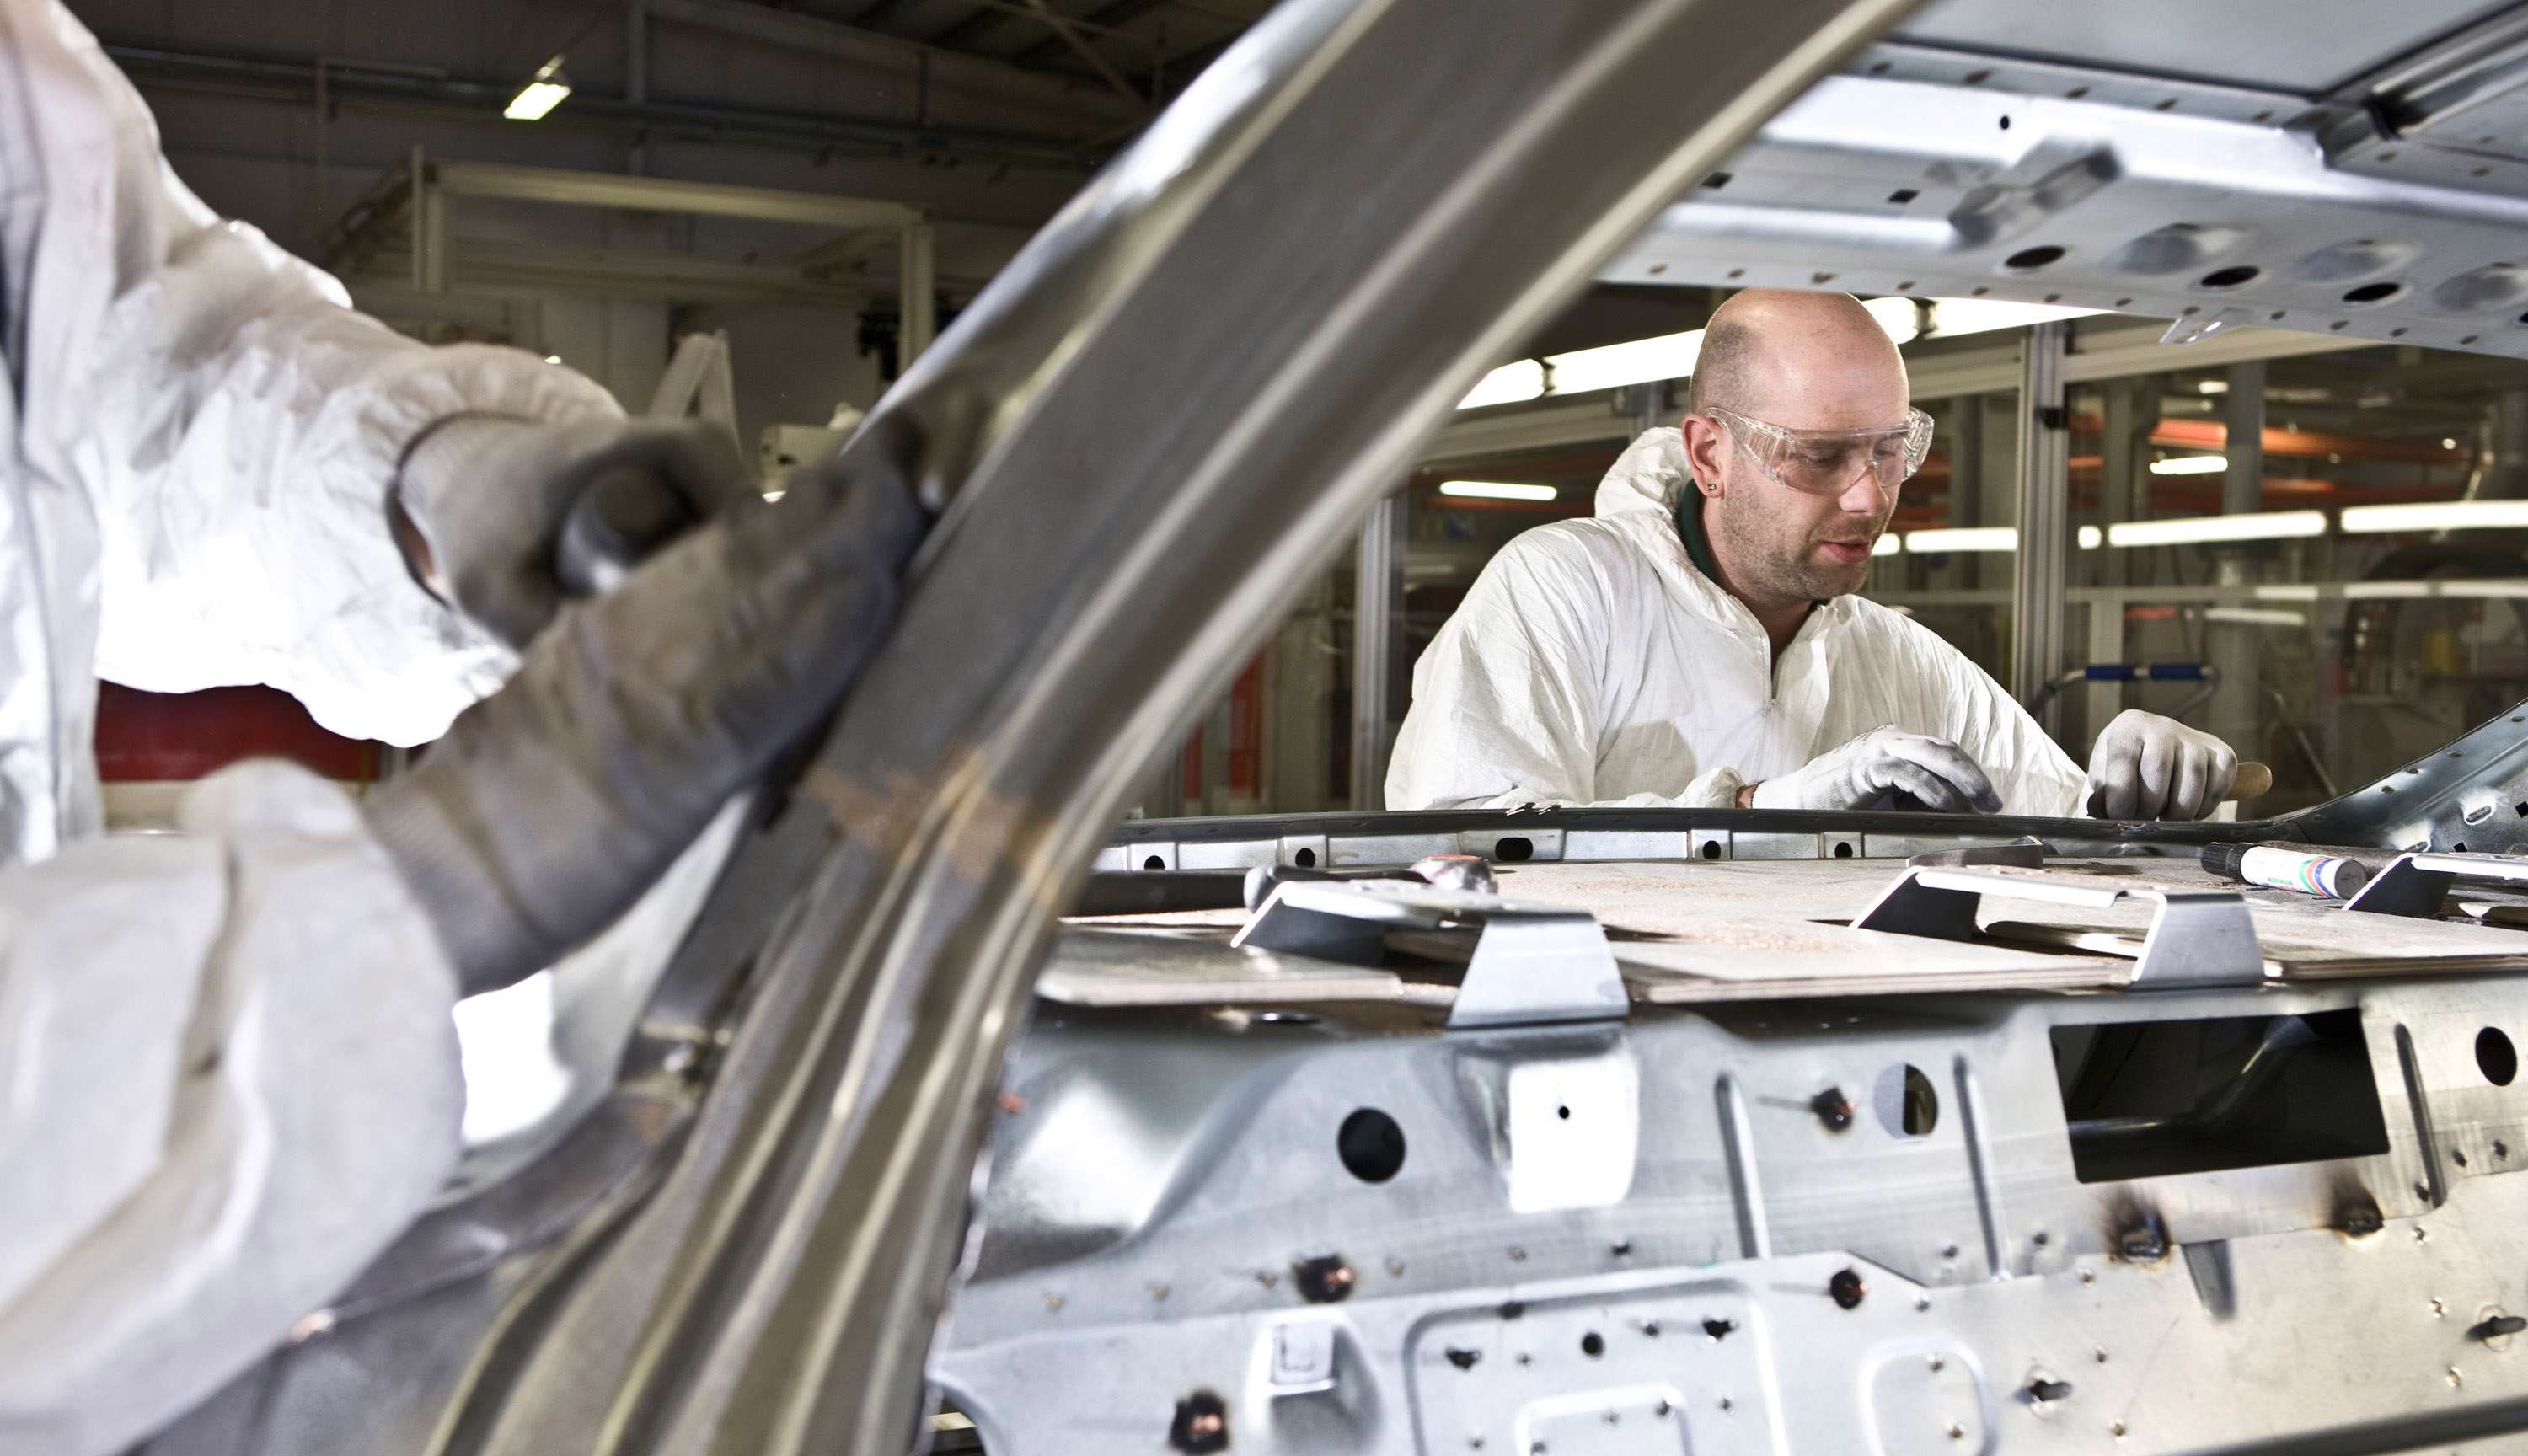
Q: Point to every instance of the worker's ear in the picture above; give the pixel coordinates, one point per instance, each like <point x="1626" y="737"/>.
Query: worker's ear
<point x="1705" y="445"/>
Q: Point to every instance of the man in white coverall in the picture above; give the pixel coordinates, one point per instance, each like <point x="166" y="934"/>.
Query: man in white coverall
<point x="228" y="1071"/>
<point x="1697" y="643"/>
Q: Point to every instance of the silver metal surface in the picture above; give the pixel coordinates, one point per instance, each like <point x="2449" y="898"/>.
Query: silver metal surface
<point x="2320" y="45"/>
<point x="2196" y="937"/>
<point x="1377" y="642"/>
<point x="1951" y="173"/>
<point x="2318" y="1305"/>
<point x="2416" y="885"/>
<point x="2041" y="564"/>
<point x="1531" y="970"/>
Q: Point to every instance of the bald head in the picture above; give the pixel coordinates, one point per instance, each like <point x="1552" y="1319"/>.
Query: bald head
<point x="1809" y="361"/>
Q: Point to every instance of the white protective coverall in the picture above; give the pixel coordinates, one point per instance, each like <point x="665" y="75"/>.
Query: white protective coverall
<point x="228" y="1075"/>
<point x="1593" y="664"/>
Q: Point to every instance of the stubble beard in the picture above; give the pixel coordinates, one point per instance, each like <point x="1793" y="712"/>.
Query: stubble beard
<point x="1793" y="565"/>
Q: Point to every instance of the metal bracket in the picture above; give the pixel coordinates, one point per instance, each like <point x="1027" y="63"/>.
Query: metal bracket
<point x="1533" y="962"/>
<point x="2196" y="938"/>
<point x="2414" y="885"/>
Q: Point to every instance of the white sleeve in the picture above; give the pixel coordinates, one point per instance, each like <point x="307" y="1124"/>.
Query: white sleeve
<point x="238" y="424"/>
<point x="2032" y="772"/>
<point x="1504" y="697"/>
<point x="232" y="1080"/>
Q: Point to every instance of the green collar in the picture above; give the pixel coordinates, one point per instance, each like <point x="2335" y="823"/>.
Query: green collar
<point x="1698" y="546"/>
<point x="1689" y="529"/>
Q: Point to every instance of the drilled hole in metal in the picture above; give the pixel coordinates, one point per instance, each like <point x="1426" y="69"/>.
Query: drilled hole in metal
<point x="2496" y="1057"/>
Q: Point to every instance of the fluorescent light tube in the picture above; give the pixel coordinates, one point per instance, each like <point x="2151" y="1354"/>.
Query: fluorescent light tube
<point x="1951" y="317"/>
<point x="1497" y="491"/>
<point x="542" y="94"/>
<point x="2091" y="539"/>
<point x="2272" y="524"/>
<point x="2190" y="466"/>
<point x="1668" y="357"/>
<point x="1887" y="545"/>
<point x="1520" y="378"/>
<point x="1964" y="539"/>
<point x="2255" y="616"/>
<point x="1897" y="317"/>
<point x="2435" y="515"/>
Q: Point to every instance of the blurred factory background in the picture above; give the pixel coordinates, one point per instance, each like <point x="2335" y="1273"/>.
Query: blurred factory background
<point x="763" y="211"/>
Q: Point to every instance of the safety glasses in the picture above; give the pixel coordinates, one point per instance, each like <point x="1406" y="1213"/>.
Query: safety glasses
<point x="1826" y="463"/>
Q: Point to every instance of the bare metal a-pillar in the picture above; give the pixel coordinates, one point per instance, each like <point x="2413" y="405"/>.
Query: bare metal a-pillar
<point x="2044" y="506"/>
<point x="1376" y="649"/>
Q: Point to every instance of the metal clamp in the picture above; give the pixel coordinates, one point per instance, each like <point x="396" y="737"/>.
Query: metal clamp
<point x="1533" y="962"/>
<point x="2196" y="938"/>
<point x="2414" y="885"/>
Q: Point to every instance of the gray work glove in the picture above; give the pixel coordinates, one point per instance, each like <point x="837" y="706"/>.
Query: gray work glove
<point x="550" y="806"/>
<point x="2150" y="767"/>
<point x="483" y="508"/>
<point x="1933" y="770"/>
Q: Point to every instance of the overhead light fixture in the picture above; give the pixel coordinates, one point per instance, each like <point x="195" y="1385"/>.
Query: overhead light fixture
<point x="1668" y="357"/>
<point x="2255" y="616"/>
<point x="2436" y="515"/>
<point x="1520" y="378"/>
<point x="2190" y="466"/>
<point x="543" y="93"/>
<point x="1951" y="317"/>
<point x="1899" y="317"/>
<point x="1964" y="539"/>
<point x="2091" y="539"/>
<point x="1497" y="491"/>
<point x="2273" y="525"/>
<point x="1888" y="545"/>
<point x="2212" y="387"/>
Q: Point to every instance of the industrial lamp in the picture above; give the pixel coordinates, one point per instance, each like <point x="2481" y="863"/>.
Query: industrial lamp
<point x="543" y="93"/>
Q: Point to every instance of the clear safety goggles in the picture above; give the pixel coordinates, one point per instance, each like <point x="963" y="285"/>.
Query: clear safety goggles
<point x="1826" y="463"/>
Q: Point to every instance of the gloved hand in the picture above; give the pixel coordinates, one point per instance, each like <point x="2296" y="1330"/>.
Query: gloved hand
<point x="550" y="806"/>
<point x="481" y="504"/>
<point x="2150" y="767"/>
<point x="1933" y="770"/>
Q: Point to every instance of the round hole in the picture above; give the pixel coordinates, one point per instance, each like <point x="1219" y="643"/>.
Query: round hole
<point x="2227" y="277"/>
<point x="1306" y="859"/>
<point x="1564" y="1112"/>
<point x="1712" y="849"/>
<point x="1515" y="848"/>
<point x="2372" y="292"/>
<point x="1154" y="862"/>
<point x="1843" y="849"/>
<point x="1907" y="1104"/>
<point x="2032" y="257"/>
<point x="2496" y="1057"/>
<point x="1371" y="1145"/>
<point x="2005" y="124"/>
<point x="1593" y="1344"/>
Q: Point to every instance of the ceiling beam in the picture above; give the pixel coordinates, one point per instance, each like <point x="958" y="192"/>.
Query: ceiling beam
<point x="946" y="68"/>
<point x="1111" y="17"/>
<point x="290" y="80"/>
